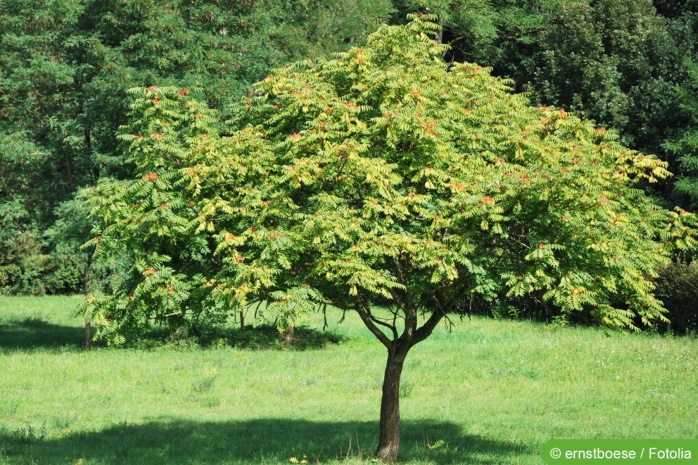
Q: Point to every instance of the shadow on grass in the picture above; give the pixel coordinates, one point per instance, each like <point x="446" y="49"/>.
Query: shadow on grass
<point x="262" y="337"/>
<point x="179" y="442"/>
<point x="268" y="337"/>
<point x="33" y="333"/>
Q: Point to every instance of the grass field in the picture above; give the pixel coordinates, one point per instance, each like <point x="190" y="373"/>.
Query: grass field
<point x="488" y="392"/>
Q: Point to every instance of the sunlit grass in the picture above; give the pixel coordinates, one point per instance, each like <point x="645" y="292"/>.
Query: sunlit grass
<point x="487" y="392"/>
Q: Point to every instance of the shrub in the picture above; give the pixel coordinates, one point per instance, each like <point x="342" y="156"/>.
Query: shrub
<point x="677" y="288"/>
<point x="21" y="258"/>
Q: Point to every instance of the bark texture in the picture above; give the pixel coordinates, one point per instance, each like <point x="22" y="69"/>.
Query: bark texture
<point x="389" y="440"/>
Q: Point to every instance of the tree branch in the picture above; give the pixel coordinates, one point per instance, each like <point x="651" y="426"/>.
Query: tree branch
<point x="377" y="320"/>
<point x="426" y="329"/>
<point x="370" y="323"/>
<point x="410" y="325"/>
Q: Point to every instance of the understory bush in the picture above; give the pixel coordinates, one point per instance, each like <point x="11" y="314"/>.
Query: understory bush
<point x="677" y="288"/>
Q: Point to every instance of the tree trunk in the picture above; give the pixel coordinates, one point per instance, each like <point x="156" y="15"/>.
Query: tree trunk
<point x="69" y="170"/>
<point x="86" y="278"/>
<point x="389" y="441"/>
<point x="288" y="335"/>
<point x="88" y="333"/>
<point x="398" y="347"/>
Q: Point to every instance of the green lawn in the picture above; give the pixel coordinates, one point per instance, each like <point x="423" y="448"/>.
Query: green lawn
<point x="489" y="392"/>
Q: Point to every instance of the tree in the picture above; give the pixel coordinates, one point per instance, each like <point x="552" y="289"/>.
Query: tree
<point x="685" y="144"/>
<point x="388" y="183"/>
<point x="317" y="28"/>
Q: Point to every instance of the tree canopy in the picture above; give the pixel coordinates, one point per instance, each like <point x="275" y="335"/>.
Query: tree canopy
<point x="385" y="182"/>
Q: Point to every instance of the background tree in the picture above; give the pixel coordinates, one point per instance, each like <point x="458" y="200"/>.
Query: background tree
<point x="389" y="183"/>
<point x="38" y="77"/>
<point x="65" y="66"/>
<point x="21" y="263"/>
<point x="685" y="144"/>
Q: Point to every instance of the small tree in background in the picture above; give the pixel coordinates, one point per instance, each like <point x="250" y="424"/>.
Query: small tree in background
<point x="384" y="182"/>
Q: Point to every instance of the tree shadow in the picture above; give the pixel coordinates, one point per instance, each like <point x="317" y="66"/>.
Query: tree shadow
<point x="260" y="337"/>
<point x="268" y="337"/>
<point x="179" y="442"/>
<point x="33" y="333"/>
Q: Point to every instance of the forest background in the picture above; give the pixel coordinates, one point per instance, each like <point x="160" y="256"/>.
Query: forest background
<point x="65" y="67"/>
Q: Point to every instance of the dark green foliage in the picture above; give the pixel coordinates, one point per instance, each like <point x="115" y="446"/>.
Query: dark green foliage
<point x="677" y="287"/>
<point x="67" y="269"/>
<point x="685" y="144"/>
<point x="39" y="77"/>
<point x="65" y="66"/>
<point x="614" y="61"/>
<point x="307" y="29"/>
<point x="22" y="165"/>
<point x="21" y="261"/>
<point x="575" y="71"/>
<point x="675" y="8"/>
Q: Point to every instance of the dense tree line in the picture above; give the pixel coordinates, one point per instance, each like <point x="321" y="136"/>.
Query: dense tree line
<point x="66" y="65"/>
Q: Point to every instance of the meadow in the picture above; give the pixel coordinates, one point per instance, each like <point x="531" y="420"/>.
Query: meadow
<point x="486" y="392"/>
